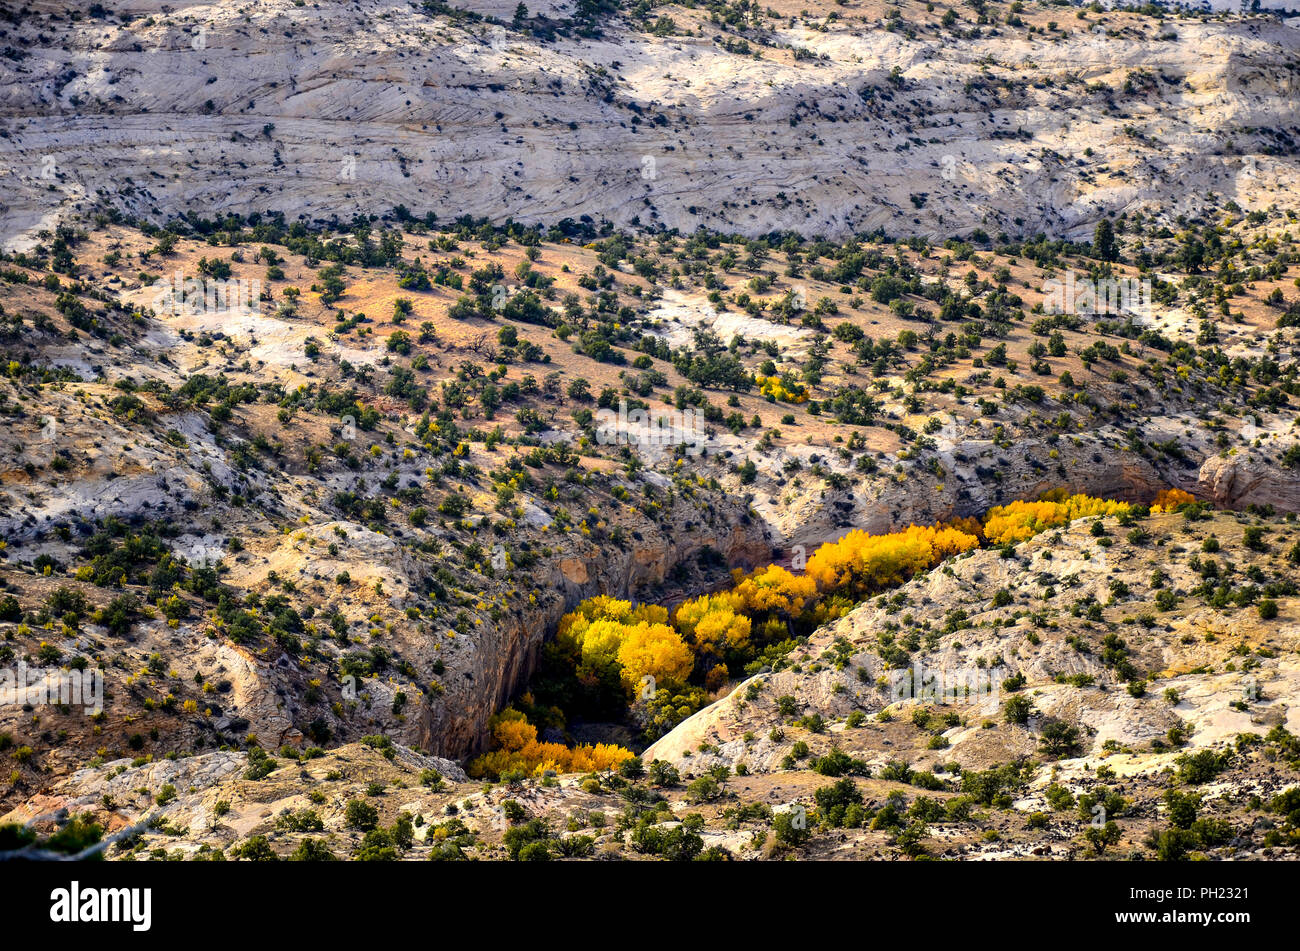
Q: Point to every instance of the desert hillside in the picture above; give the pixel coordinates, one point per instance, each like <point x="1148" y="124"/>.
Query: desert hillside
<point x="835" y="118"/>
<point x="355" y="507"/>
<point x="711" y="431"/>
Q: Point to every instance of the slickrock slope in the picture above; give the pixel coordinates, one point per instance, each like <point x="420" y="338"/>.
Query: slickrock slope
<point x="827" y="125"/>
<point x="988" y="618"/>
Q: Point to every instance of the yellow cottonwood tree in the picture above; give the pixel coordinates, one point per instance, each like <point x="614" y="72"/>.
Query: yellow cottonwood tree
<point x="653" y="650"/>
<point x="1022" y="520"/>
<point x="859" y="564"/>
<point x="518" y="749"/>
<point x="1168" y="500"/>
<point x="774" y="590"/>
<point x="782" y="390"/>
<point x="714" y="622"/>
<point x="601" y="640"/>
<point x="638" y="639"/>
<point x="574" y="625"/>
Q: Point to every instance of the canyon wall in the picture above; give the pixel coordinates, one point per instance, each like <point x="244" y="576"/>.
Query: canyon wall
<point x="334" y="111"/>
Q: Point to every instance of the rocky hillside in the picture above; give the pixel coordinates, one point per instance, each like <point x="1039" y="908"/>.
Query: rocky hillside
<point x="826" y="118"/>
<point x="405" y="474"/>
<point x="316" y="519"/>
<point x="1053" y="757"/>
<point x="1040" y="615"/>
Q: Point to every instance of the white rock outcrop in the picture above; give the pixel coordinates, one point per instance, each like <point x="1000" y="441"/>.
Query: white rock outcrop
<point x="323" y="111"/>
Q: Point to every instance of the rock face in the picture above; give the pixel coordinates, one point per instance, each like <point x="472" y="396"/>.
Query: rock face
<point x="333" y="111"/>
<point x="1024" y="470"/>
<point x="171" y="463"/>
<point x="1235" y="482"/>
<point x="1218" y="685"/>
<point x="504" y="655"/>
<point x="199" y="782"/>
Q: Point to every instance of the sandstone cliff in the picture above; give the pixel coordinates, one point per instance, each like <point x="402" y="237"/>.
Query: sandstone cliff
<point x="825" y="127"/>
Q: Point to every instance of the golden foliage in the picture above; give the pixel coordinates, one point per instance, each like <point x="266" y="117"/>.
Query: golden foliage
<point x="966" y="525"/>
<point x="1168" y="500"/>
<point x="638" y="639"/>
<point x="774" y="590"/>
<point x="603" y="607"/>
<point x="653" y="650"/>
<point x="859" y="564"/>
<point x="1021" y="520"/>
<point x="784" y="391"/>
<point x="518" y="750"/>
<point x="714" y="622"/>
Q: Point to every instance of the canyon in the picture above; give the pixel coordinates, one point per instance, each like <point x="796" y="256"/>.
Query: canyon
<point x="317" y="542"/>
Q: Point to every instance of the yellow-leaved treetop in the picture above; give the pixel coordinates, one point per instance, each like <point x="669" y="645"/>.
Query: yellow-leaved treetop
<point x="638" y="639"/>
<point x="785" y="391"/>
<point x="774" y="590"/>
<point x="602" y="607"/>
<point x="518" y="750"/>
<point x="653" y="650"/>
<point x="1020" y="520"/>
<point x="860" y="564"/>
<point x="714" y="622"/>
<point x="1168" y="500"/>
